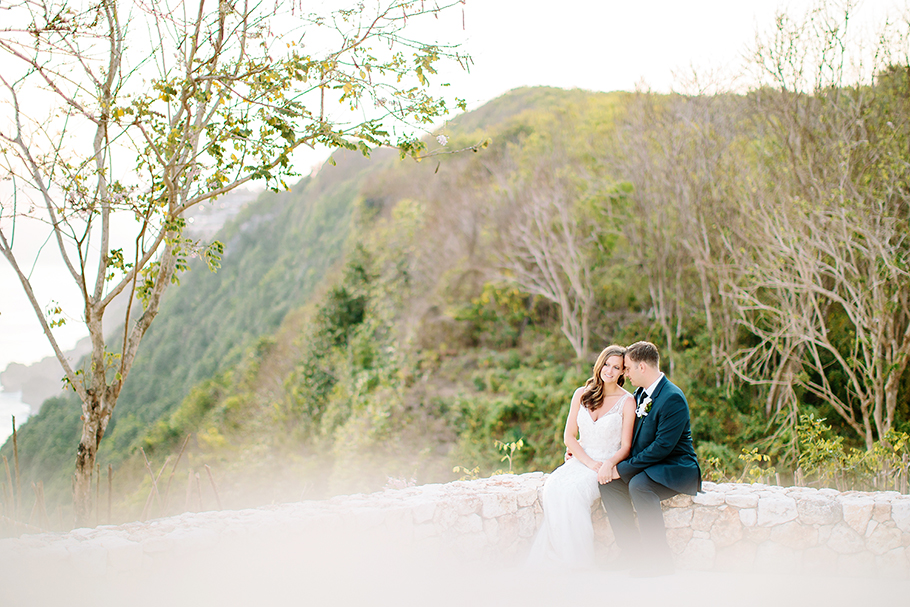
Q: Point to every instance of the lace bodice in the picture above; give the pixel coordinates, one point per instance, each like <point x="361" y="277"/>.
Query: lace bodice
<point x="602" y="438"/>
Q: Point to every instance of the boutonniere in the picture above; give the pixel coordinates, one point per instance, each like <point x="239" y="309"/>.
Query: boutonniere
<point x="644" y="407"/>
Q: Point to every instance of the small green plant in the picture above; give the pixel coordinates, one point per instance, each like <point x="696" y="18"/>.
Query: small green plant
<point x="753" y="470"/>
<point x="508" y="450"/>
<point x="712" y="469"/>
<point x="469" y="475"/>
<point x="821" y="454"/>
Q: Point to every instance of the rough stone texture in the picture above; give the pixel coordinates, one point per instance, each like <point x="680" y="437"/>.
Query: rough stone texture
<point x="900" y="513"/>
<point x="795" y="535"/>
<point x="728" y="527"/>
<point x="857" y="512"/>
<point x="819" y="510"/>
<point x="741" y="499"/>
<point x="776" y="509"/>
<point x="845" y="540"/>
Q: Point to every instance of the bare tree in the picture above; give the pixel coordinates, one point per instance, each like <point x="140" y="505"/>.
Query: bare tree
<point x="546" y="247"/>
<point x="825" y="283"/>
<point x="678" y="153"/>
<point x="121" y="116"/>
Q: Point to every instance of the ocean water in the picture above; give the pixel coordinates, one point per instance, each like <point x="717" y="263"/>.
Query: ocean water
<point x="11" y="404"/>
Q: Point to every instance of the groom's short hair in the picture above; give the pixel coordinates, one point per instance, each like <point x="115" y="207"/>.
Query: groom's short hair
<point x="644" y="352"/>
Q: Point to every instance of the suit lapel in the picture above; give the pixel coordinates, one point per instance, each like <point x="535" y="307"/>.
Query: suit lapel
<point x="657" y="390"/>
<point x="639" y="395"/>
<point x="638" y="420"/>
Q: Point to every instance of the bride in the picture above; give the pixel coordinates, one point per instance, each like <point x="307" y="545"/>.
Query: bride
<point x="603" y="414"/>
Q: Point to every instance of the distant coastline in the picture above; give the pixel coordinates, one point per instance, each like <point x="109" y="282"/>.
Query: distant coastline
<point x="11" y="405"/>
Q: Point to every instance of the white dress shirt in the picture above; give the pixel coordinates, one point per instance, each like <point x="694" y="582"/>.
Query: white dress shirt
<point x="650" y="389"/>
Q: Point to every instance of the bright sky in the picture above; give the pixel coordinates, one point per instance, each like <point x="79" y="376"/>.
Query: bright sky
<point x="602" y="45"/>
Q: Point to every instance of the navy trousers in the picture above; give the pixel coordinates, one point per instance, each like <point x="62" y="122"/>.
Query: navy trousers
<point x="649" y="539"/>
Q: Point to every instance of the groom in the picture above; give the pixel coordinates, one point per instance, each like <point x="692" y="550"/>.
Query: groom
<point x="660" y="465"/>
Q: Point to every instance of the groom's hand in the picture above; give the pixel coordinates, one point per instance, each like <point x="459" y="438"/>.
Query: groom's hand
<point x="607" y="473"/>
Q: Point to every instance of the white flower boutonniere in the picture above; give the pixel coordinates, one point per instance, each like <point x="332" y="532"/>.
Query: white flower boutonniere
<point x="644" y="407"/>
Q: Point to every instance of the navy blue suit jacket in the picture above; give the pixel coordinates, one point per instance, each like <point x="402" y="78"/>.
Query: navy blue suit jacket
<point x="662" y="442"/>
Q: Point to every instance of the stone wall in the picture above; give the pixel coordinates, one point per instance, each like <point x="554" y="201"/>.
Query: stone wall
<point x="727" y="527"/>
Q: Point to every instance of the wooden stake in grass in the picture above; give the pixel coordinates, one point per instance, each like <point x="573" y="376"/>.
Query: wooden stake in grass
<point x="214" y="488"/>
<point x="167" y="490"/>
<point x="12" y="492"/>
<point x="199" y="491"/>
<point x="189" y="490"/>
<point x="97" y="494"/>
<point x="154" y="491"/>
<point x="110" y="490"/>
<point x="16" y="459"/>
<point x="39" y="511"/>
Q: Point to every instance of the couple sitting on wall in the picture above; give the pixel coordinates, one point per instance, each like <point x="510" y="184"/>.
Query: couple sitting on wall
<point x="630" y="449"/>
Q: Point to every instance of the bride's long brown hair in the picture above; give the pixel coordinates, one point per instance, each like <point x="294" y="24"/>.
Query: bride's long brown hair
<point x="593" y="396"/>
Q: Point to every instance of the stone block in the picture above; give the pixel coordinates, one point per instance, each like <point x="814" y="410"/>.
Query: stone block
<point x="727" y="529"/>
<point x="526" y="496"/>
<point x="498" y="504"/>
<point x="748" y="516"/>
<point x="772" y="557"/>
<point x="736" y="557"/>
<point x="491" y="530"/>
<point x="857" y="512"/>
<point x="795" y="535"/>
<point x="820" y="560"/>
<point x="881" y="511"/>
<point x="709" y="499"/>
<point x="819" y="510"/>
<point x="470" y="523"/>
<point x="775" y="510"/>
<point x="680" y="500"/>
<point x="900" y="514"/>
<point x="470" y="546"/>
<point x="399" y="519"/>
<point x="122" y="554"/>
<point x="739" y="499"/>
<point x="507" y="530"/>
<point x="704" y="518"/>
<point x="757" y="535"/>
<point x="366" y="519"/>
<point x="527" y="523"/>
<point x="845" y="540"/>
<point x="677" y="517"/>
<point x="157" y="544"/>
<point x="678" y="538"/>
<point x="445" y="516"/>
<point x="423" y="511"/>
<point x="824" y="534"/>
<point x="603" y="532"/>
<point x="883" y="539"/>
<point x="466" y="504"/>
<point x="699" y="554"/>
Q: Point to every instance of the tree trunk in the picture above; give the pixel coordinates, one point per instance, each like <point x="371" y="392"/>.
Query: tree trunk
<point x="94" y="423"/>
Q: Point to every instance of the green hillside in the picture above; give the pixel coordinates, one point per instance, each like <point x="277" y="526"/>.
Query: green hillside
<point x="391" y="321"/>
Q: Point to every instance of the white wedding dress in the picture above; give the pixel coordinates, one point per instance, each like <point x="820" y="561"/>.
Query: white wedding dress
<point x="566" y="536"/>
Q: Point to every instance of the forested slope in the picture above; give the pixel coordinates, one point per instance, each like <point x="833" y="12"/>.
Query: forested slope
<point x="393" y="319"/>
